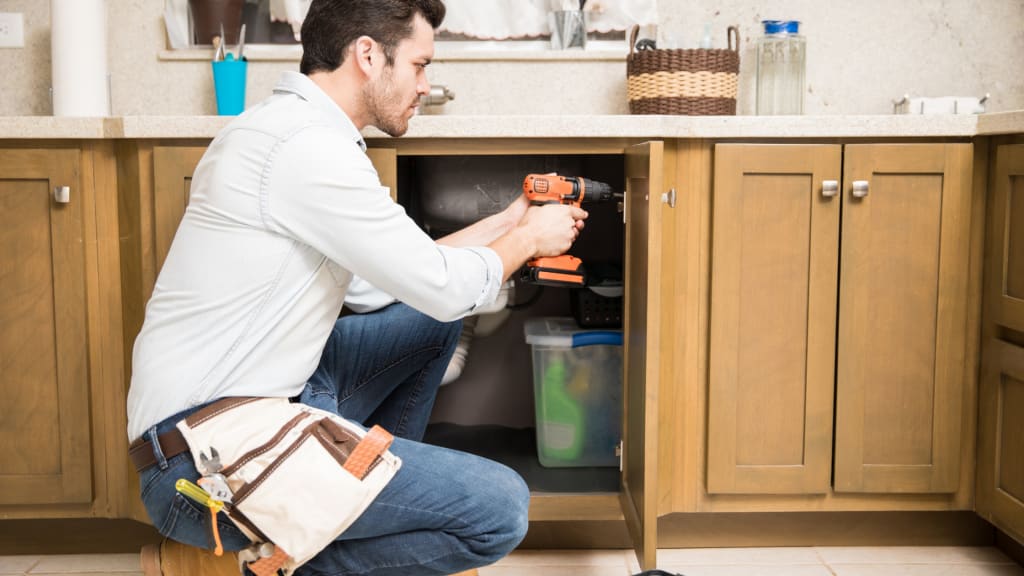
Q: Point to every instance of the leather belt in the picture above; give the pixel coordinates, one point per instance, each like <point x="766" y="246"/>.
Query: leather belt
<point x="171" y="443"/>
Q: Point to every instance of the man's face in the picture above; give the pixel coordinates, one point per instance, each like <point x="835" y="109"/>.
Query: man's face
<point x="393" y="97"/>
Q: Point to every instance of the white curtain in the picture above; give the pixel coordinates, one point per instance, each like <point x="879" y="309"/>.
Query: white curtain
<point x="291" y="11"/>
<point x="502" y="19"/>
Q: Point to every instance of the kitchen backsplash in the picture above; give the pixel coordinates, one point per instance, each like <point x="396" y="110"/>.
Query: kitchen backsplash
<point x="861" y="54"/>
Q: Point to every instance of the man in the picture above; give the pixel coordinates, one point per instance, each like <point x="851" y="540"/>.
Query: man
<point x="285" y="208"/>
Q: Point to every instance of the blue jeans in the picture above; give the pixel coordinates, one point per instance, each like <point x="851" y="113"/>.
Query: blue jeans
<point x="444" y="512"/>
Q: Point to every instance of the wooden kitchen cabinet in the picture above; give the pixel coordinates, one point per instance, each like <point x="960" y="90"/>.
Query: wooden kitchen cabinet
<point x="157" y="182"/>
<point x="1000" y="472"/>
<point x="817" y="290"/>
<point x="60" y="345"/>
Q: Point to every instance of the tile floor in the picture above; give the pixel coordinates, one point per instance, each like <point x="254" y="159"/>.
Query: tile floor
<point x="820" y="561"/>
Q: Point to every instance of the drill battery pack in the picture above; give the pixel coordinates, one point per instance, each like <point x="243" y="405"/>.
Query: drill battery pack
<point x="564" y="270"/>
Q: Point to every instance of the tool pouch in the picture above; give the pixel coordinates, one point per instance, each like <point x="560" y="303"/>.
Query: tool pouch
<point x="299" y="476"/>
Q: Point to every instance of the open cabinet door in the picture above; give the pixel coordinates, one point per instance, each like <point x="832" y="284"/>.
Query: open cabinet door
<point x="643" y="308"/>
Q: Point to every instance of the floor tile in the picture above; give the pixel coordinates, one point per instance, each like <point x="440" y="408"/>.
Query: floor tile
<point x="632" y="563"/>
<point x="912" y="555"/>
<point x="86" y="573"/>
<point x="87" y="564"/>
<point x="17" y="564"/>
<point x="755" y="556"/>
<point x="560" y="570"/>
<point x="926" y="570"/>
<point x="565" y="557"/>
<point x="747" y="570"/>
<point x="795" y="561"/>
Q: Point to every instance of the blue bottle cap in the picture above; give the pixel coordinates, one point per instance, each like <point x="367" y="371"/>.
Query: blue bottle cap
<point x="781" y="26"/>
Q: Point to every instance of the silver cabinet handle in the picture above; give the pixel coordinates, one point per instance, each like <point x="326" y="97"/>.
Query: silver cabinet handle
<point x="829" y="188"/>
<point x="669" y="198"/>
<point x="62" y="194"/>
<point x="860" y="188"/>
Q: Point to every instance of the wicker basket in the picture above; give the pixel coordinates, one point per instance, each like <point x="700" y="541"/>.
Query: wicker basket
<point x="697" y="82"/>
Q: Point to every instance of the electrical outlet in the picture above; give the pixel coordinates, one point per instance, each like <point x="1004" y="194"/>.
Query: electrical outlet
<point x="12" y="30"/>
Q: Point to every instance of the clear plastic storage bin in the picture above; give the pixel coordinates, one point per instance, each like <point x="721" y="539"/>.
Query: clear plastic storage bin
<point x="577" y="382"/>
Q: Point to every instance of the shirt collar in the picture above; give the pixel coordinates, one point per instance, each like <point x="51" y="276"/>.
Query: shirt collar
<point x="300" y="85"/>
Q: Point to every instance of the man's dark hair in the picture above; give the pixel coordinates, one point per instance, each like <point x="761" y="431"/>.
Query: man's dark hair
<point x="331" y="25"/>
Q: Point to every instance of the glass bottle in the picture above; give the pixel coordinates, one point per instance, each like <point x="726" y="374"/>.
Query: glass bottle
<point x="781" y="62"/>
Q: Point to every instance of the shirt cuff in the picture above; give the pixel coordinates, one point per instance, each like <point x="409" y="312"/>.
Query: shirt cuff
<point x="495" y="273"/>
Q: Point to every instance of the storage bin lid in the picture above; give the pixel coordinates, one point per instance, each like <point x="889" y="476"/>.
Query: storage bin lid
<point x="563" y="332"/>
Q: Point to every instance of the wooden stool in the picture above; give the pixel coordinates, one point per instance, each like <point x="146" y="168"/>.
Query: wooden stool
<point x="170" y="558"/>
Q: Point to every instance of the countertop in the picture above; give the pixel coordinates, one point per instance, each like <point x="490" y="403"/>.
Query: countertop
<point x="508" y="126"/>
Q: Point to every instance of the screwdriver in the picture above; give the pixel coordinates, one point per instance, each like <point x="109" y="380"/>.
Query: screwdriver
<point x="203" y="497"/>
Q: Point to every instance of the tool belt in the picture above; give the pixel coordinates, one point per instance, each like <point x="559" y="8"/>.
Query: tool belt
<point x="288" y="474"/>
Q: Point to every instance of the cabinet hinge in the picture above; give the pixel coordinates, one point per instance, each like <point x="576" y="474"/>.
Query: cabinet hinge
<point x="618" y="452"/>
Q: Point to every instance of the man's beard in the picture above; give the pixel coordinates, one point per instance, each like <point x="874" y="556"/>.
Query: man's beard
<point x="385" y="107"/>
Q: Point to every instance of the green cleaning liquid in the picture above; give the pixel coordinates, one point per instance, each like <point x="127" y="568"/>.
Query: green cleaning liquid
<point x="562" y="419"/>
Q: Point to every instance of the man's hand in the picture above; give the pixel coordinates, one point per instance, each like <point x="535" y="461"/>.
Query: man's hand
<point x="553" y="227"/>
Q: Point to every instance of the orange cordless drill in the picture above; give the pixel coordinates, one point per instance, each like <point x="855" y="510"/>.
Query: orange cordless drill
<point x="564" y="270"/>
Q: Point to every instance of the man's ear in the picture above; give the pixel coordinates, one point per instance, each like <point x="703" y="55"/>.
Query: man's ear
<point x="365" y="51"/>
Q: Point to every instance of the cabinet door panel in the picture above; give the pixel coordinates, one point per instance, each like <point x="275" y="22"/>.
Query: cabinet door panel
<point x="1001" y="437"/>
<point x="644" y="164"/>
<point x="902" y="318"/>
<point x="172" y="180"/>
<point x="1011" y="436"/>
<point x="773" y="299"/>
<point x="1008" y="250"/>
<point x="44" y="419"/>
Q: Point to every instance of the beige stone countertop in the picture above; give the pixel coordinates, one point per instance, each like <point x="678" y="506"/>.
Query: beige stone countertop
<point x="508" y="126"/>
<point x="49" y="127"/>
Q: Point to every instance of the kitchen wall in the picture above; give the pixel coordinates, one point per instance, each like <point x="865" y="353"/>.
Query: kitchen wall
<point x="861" y="55"/>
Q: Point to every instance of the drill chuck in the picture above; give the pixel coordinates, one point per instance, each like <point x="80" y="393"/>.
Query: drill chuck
<point x="595" y="191"/>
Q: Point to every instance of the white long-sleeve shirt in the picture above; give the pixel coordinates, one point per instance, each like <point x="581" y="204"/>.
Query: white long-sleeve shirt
<point x="285" y="207"/>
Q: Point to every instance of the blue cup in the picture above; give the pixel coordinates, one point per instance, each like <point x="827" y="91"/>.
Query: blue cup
<point x="229" y="86"/>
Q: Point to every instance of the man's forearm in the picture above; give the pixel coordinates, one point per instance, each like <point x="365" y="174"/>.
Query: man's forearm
<point x="514" y="248"/>
<point x="480" y="233"/>
<point x="487" y="230"/>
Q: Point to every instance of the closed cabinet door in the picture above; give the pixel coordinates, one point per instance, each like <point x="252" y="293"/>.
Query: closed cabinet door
<point x="1007" y="248"/>
<point x="838" y="318"/>
<point x="902" y="317"/>
<point x="1000" y="474"/>
<point x="1000" y="496"/>
<point x="44" y="367"/>
<point x="773" y="300"/>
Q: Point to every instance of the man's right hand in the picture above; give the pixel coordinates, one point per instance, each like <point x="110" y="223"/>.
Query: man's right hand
<point x="547" y="230"/>
<point x="553" y="227"/>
